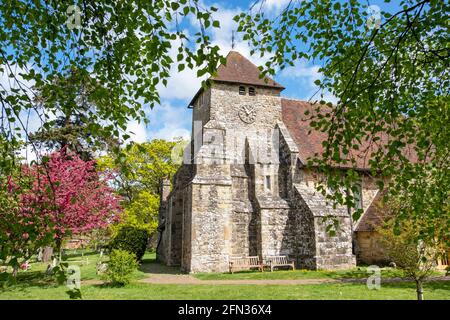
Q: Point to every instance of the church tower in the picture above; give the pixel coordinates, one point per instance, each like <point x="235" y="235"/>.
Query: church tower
<point x="235" y="156"/>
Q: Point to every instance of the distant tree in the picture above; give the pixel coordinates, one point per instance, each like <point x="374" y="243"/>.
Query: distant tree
<point x="84" y="201"/>
<point x="405" y="236"/>
<point x="139" y="178"/>
<point x="144" y="166"/>
<point x="77" y="96"/>
<point x="142" y="211"/>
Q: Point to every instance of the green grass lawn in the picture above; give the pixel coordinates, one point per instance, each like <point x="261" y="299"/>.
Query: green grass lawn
<point x="433" y="290"/>
<point x="34" y="284"/>
<point x="79" y="258"/>
<point x="357" y="273"/>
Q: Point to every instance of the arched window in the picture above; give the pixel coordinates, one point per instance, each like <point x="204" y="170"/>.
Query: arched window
<point x="251" y="91"/>
<point x="242" y="90"/>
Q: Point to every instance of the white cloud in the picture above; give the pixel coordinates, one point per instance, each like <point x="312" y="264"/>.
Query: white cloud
<point x="137" y="131"/>
<point x="328" y="97"/>
<point x="275" y="6"/>
<point x="222" y="36"/>
<point x="302" y="69"/>
<point x="169" y="122"/>
<point x="28" y="154"/>
<point x="303" y="74"/>
<point x="180" y="85"/>
<point x="29" y="120"/>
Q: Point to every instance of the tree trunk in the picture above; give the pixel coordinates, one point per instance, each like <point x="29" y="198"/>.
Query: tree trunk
<point x="58" y="248"/>
<point x="419" y="289"/>
<point x="47" y="254"/>
<point x="15" y="270"/>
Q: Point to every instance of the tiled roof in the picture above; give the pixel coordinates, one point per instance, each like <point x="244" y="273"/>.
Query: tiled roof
<point x="374" y="215"/>
<point x="239" y="69"/>
<point x="309" y="141"/>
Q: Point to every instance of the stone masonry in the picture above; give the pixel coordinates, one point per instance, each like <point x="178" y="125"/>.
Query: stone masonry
<point x="243" y="189"/>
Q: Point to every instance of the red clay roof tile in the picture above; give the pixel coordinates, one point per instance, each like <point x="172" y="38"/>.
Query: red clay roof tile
<point x="239" y="69"/>
<point x="309" y="141"/>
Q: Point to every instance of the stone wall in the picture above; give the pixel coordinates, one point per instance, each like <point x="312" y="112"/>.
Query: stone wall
<point x="334" y="252"/>
<point x="210" y="226"/>
<point x="186" y="254"/>
<point x="241" y="196"/>
<point x="201" y="110"/>
<point x="369" y="190"/>
<point x="171" y="212"/>
<point x="331" y="251"/>
<point x="162" y="249"/>
<point x="368" y="249"/>
<point x="244" y="216"/>
<point x="305" y="241"/>
<point x="277" y="228"/>
<point x="226" y="102"/>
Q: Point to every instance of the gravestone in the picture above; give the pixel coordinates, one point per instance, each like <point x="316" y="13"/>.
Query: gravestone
<point x="51" y="266"/>
<point x="39" y="255"/>
<point x="101" y="268"/>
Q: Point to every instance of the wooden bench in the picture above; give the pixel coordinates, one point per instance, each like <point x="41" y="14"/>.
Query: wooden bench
<point x="245" y="263"/>
<point x="278" y="261"/>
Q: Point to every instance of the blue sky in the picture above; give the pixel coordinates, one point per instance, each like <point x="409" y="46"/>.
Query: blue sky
<point x="173" y="118"/>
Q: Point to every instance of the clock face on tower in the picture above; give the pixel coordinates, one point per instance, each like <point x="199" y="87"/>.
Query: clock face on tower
<point x="247" y="114"/>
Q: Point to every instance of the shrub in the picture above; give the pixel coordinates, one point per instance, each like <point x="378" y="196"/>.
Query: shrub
<point x="120" y="267"/>
<point x="131" y="239"/>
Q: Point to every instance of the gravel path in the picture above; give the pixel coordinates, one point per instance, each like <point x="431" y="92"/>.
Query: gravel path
<point x="188" y="279"/>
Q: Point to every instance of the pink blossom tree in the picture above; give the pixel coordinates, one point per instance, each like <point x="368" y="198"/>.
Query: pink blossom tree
<point x="80" y="197"/>
<point x="47" y="202"/>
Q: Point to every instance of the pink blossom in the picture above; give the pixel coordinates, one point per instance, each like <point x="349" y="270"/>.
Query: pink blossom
<point x="67" y="195"/>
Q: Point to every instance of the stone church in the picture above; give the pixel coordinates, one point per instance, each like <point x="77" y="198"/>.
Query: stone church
<point x="244" y="189"/>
